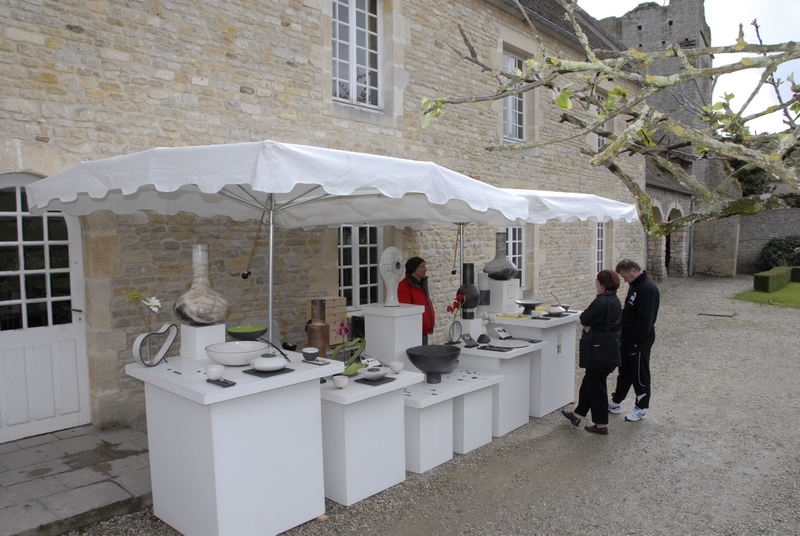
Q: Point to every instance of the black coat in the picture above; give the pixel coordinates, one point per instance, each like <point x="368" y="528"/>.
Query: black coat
<point x="640" y="312"/>
<point x="605" y="307"/>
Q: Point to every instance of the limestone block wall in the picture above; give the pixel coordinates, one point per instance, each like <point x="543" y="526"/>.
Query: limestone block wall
<point x="81" y="81"/>
<point x="758" y="229"/>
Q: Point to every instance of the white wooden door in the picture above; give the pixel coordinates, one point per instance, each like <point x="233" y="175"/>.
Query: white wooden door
<point x="44" y="373"/>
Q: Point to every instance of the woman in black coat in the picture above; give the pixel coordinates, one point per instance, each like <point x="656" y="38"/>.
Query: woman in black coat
<point x="603" y="314"/>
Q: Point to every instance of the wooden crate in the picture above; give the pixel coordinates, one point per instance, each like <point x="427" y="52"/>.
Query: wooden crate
<point x="335" y="312"/>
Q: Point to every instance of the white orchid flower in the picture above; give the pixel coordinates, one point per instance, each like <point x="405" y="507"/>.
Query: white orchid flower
<point x="153" y="303"/>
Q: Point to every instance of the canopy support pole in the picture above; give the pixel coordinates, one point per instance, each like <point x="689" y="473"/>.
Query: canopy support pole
<point x="461" y="245"/>
<point x="271" y="210"/>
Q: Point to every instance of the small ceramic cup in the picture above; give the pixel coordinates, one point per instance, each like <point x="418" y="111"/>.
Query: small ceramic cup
<point x="396" y="366"/>
<point x="340" y="381"/>
<point x="310" y="353"/>
<point x="215" y="372"/>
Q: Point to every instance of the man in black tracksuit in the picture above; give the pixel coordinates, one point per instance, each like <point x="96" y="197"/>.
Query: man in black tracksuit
<point x="638" y="335"/>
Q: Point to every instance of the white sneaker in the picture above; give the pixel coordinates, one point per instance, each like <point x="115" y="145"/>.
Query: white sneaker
<point x="613" y="407"/>
<point x="637" y="414"/>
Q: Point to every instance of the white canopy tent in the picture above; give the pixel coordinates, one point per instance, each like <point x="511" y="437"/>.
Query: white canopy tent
<point x="544" y="206"/>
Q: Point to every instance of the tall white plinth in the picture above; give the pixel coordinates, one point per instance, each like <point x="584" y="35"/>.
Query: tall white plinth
<point x="194" y="339"/>
<point x="503" y="296"/>
<point x="390" y="330"/>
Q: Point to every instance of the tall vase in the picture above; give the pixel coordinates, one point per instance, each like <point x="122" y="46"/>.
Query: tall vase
<point x="319" y="331"/>
<point x="201" y="305"/>
<point x="500" y="267"/>
<point x="469" y="290"/>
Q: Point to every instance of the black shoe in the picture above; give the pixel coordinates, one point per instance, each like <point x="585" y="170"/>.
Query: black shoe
<point x="595" y="429"/>
<point x="571" y="416"/>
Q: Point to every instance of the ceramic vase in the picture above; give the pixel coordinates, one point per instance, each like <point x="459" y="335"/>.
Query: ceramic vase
<point x="468" y="289"/>
<point x="201" y="305"/>
<point x="500" y="267"/>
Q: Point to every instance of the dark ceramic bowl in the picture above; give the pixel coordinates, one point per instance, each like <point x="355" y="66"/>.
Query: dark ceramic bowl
<point x="249" y="332"/>
<point x="434" y="359"/>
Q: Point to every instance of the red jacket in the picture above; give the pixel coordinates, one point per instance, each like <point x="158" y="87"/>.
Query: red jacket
<point x="415" y="292"/>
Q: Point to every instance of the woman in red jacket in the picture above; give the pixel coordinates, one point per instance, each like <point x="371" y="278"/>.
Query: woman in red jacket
<point x="413" y="289"/>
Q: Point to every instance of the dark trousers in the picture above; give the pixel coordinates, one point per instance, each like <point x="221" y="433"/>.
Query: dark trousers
<point x="634" y="371"/>
<point x="593" y="395"/>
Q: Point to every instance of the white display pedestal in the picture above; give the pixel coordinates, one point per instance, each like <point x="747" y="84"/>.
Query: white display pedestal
<point x="511" y="397"/>
<point x="552" y="372"/>
<point x="194" y="339"/>
<point x="363" y="437"/>
<point x="503" y="295"/>
<point x="390" y="330"/>
<point x="461" y="405"/>
<point x="234" y="460"/>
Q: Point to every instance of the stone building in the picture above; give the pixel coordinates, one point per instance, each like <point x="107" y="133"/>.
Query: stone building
<point x="82" y="81"/>
<point x="708" y="247"/>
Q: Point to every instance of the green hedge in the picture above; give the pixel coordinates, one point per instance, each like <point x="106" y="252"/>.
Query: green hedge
<point x="774" y="279"/>
<point x="796" y="274"/>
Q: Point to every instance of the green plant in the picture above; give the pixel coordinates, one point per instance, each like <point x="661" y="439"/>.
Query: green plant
<point x="779" y="252"/>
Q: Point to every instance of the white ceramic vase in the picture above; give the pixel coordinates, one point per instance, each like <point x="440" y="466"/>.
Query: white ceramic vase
<point x="201" y="305"/>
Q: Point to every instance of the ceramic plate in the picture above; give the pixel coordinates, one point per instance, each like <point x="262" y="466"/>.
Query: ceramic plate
<point x="511" y="343"/>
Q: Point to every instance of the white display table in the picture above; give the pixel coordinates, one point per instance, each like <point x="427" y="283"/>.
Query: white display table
<point x="390" y="330"/>
<point x="243" y="460"/>
<point x="363" y="437"/>
<point x="459" y="409"/>
<point x="511" y="397"/>
<point x="552" y="371"/>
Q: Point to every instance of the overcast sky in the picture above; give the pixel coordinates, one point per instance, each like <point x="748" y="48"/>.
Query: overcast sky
<point x="779" y="21"/>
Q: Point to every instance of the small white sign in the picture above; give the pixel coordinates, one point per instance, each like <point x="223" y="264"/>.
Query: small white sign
<point x="559" y="344"/>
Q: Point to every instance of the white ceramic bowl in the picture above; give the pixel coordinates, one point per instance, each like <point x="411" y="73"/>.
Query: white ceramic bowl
<point x="236" y="353"/>
<point x="310" y="353"/>
<point x="536" y="313"/>
<point x="340" y="381"/>
<point x="396" y="366"/>
<point x="268" y="363"/>
<point x="215" y="372"/>
<point x="373" y="373"/>
<point x="555" y="309"/>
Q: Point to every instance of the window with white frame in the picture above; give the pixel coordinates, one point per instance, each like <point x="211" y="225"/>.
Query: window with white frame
<point x="355" y="39"/>
<point x="513" y="106"/>
<point x="359" y="260"/>
<point x="515" y="250"/>
<point x="608" y="126"/>
<point x="601" y="247"/>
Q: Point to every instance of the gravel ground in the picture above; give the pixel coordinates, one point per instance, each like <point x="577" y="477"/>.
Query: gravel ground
<point x="717" y="454"/>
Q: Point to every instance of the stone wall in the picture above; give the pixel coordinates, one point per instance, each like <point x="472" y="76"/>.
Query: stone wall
<point x="758" y="229"/>
<point x="85" y="81"/>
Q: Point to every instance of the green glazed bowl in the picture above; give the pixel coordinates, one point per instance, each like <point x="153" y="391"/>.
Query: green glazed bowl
<point x="249" y="332"/>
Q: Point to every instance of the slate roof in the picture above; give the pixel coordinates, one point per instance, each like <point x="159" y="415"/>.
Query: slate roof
<point x="551" y="14"/>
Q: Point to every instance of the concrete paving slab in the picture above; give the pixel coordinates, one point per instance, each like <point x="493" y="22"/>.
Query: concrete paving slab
<point x="127" y="448"/>
<point x="119" y="435"/>
<point x="123" y="465"/>
<point x="30" y="456"/>
<point x="22" y="517"/>
<point x="137" y="482"/>
<point x="9" y="447"/>
<point x="35" y="440"/>
<point x="82" y="477"/>
<point x="3" y="468"/>
<point x="74" y="432"/>
<point x="142" y="443"/>
<point x="73" y="445"/>
<point x="84" y="499"/>
<point x="28" y="491"/>
<point x="32" y="472"/>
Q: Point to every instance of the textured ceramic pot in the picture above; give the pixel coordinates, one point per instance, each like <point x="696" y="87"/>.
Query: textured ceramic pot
<point x="500" y="267"/>
<point x="201" y="305"/>
<point x="469" y="290"/>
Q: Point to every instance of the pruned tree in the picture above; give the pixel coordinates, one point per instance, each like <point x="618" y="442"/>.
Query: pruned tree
<point x="719" y="131"/>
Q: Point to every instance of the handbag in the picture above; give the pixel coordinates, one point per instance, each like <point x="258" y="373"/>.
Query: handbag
<point x="599" y="350"/>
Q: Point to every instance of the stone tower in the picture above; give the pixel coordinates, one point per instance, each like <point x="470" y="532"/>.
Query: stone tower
<point x="652" y="27"/>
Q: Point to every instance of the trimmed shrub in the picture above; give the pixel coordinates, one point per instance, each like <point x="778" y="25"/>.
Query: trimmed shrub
<point x="796" y="274"/>
<point x="773" y="280"/>
<point x="779" y="252"/>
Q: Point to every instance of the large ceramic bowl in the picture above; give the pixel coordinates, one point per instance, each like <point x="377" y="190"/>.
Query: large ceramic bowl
<point x="433" y="359"/>
<point x="249" y="332"/>
<point x="236" y="353"/>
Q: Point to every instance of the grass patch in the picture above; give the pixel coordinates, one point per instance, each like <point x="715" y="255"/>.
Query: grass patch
<point x="788" y="296"/>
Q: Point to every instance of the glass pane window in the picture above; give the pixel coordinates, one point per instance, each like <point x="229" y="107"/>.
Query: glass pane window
<point x="358" y="264"/>
<point x="608" y="126"/>
<point x="35" y="287"/>
<point x="601" y="247"/>
<point x="515" y="250"/>
<point x="513" y="106"/>
<point x="355" y="51"/>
